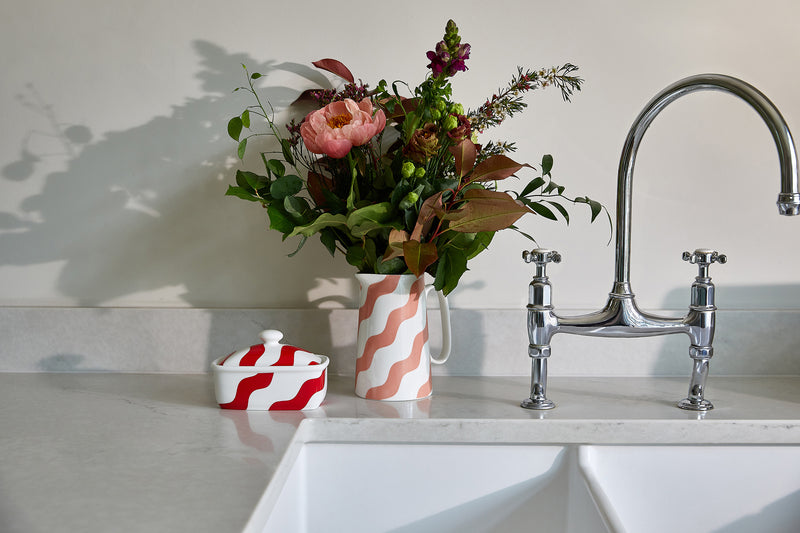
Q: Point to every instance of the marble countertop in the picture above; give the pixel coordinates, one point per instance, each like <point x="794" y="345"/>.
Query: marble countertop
<point x="152" y="452"/>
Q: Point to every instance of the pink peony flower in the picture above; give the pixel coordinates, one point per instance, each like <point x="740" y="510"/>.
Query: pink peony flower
<point x="337" y="127"/>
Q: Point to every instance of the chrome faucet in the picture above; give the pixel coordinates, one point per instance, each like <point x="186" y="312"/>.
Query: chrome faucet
<point x="621" y="317"/>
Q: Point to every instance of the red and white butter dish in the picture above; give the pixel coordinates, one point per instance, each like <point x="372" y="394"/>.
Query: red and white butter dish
<point x="271" y="377"/>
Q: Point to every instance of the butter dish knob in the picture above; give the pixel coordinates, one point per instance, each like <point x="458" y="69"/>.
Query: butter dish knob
<point x="271" y="336"/>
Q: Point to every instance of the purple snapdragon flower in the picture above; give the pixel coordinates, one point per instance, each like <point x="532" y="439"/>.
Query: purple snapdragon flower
<point x="450" y="55"/>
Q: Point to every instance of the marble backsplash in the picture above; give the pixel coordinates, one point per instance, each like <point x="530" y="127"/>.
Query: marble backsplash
<point x="485" y="342"/>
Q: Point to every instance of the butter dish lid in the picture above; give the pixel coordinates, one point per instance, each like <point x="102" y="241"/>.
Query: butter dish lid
<point x="271" y="353"/>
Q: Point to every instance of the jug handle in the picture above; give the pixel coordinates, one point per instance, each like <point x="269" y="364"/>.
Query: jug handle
<point x="444" y="313"/>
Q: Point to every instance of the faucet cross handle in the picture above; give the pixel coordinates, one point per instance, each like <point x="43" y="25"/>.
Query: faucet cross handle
<point x="703" y="257"/>
<point x="541" y="256"/>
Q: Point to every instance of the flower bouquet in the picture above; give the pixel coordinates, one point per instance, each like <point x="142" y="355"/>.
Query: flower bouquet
<point x="398" y="182"/>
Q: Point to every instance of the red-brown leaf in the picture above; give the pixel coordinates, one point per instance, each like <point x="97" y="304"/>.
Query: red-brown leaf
<point x="419" y="256"/>
<point x="465" y="154"/>
<point x="316" y="183"/>
<point x="427" y="212"/>
<point x="496" y="167"/>
<point x="306" y="96"/>
<point x="396" y="239"/>
<point x="401" y="109"/>
<point x="336" y="67"/>
<point x="485" y="210"/>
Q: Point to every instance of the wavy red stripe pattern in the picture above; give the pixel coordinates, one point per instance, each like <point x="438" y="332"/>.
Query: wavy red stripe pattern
<point x="245" y="388"/>
<point x="287" y="356"/>
<point x="252" y="355"/>
<point x="307" y="390"/>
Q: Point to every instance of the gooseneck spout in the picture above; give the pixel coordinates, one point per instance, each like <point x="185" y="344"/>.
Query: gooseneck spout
<point x="788" y="199"/>
<point x="621" y="316"/>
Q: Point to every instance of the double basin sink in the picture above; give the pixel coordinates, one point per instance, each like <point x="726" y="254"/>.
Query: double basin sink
<point x="480" y="476"/>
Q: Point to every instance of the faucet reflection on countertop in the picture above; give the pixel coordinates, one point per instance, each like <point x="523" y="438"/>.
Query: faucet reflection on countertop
<point x="621" y="317"/>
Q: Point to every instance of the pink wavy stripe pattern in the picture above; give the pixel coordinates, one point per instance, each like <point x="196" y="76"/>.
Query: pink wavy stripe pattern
<point x="247" y="387"/>
<point x="307" y="390"/>
<point x="385" y="286"/>
<point x="388" y="335"/>
<point x="399" y="370"/>
<point x="426" y="389"/>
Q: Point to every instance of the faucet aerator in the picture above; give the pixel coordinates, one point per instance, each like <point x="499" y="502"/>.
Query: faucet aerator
<point x="789" y="204"/>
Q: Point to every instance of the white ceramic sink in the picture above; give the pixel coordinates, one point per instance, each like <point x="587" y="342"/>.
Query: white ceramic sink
<point x="720" y="489"/>
<point x="396" y="485"/>
<point x="418" y="488"/>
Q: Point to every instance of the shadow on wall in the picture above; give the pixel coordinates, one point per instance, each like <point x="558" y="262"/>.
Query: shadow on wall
<point x="143" y="209"/>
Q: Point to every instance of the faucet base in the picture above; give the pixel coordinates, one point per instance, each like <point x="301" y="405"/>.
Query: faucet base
<point x="539" y="404"/>
<point x="695" y="405"/>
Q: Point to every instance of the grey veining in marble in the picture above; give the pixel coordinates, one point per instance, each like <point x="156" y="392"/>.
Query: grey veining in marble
<point x="152" y="452"/>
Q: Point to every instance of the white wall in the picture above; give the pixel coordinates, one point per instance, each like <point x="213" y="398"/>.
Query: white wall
<point x="114" y="158"/>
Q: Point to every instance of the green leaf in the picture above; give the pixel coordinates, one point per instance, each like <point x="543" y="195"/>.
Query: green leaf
<point x="553" y="186"/>
<point x="328" y="238"/>
<point x="371" y="254"/>
<point x="532" y="186"/>
<point x="296" y="207"/>
<point x="547" y="164"/>
<point x="235" y="128"/>
<point x="539" y="209"/>
<point x="362" y="256"/>
<point x="242" y="148"/>
<point x="530" y="238"/>
<point x="369" y="218"/>
<point x="302" y="242"/>
<point x="325" y="220"/>
<point x="595" y="206"/>
<point x="246" y="118"/>
<point x="480" y="243"/>
<point x="452" y="265"/>
<point x="396" y="265"/>
<point x="352" y="197"/>
<point x="399" y="192"/>
<point x="252" y="180"/>
<point x="276" y="167"/>
<point x="410" y="199"/>
<point x="279" y="220"/>
<point x="286" y="149"/>
<point x="356" y="256"/>
<point x="471" y="243"/>
<point x="419" y="256"/>
<point x="239" y="192"/>
<point x="255" y="76"/>
<point x="560" y="209"/>
<point x="241" y="180"/>
<point x="286" y="186"/>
